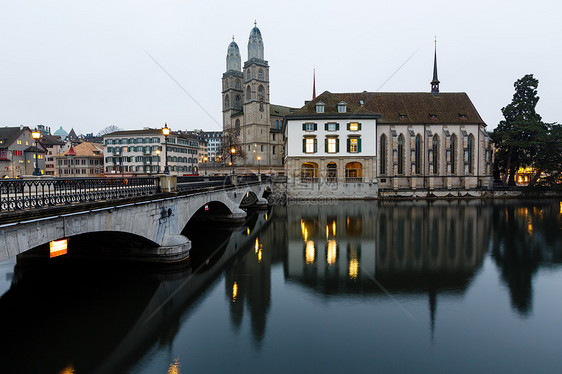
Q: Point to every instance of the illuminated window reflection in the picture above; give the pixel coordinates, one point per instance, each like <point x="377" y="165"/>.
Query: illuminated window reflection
<point x="257" y="246"/>
<point x="353" y="269"/>
<point x="331" y="252"/>
<point x="310" y="252"/>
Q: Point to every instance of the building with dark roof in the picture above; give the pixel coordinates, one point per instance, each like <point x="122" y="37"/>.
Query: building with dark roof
<point x="18" y="151"/>
<point x="423" y="141"/>
<point x="247" y="111"/>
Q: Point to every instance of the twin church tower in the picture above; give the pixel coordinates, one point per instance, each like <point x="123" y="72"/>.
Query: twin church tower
<point x="247" y="111"/>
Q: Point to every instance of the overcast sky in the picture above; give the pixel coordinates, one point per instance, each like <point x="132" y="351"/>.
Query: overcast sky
<point x="84" y="64"/>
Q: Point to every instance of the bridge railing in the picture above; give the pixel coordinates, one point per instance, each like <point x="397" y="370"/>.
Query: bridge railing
<point x="22" y="194"/>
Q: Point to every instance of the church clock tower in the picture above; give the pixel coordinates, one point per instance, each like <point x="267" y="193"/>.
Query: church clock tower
<point x="255" y="130"/>
<point x="232" y="85"/>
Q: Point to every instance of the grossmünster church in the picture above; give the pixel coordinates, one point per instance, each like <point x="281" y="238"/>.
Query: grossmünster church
<point x="246" y="105"/>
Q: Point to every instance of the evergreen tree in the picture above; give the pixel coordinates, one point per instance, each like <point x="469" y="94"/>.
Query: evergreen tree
<point x="521" y="135"/>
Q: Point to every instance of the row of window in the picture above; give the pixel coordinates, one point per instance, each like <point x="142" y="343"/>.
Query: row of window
<point x="146" y="149"/>
<point x="331" y="145"/>
<point x="132" y="141"/>
<point x="331" y="126"/>
<point x="78" y="161"/>
<point x="320" y="107"/>
<point x="118" y="160"/>
<point x="433" y="154"/>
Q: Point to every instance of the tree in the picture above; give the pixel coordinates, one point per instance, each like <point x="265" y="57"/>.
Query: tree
<point x="109" y="129"/>
<point x="231" y="141"/>
<point x="521" y="135"/>
<point x="548" y="159"/>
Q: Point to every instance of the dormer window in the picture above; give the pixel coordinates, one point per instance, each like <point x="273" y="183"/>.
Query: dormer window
<point x="342" y="107"/>
<point x="319" y="107"/>
<point x="403" y="116"/>
<point x="462" y="116"/>
<point x="432" y="115"/>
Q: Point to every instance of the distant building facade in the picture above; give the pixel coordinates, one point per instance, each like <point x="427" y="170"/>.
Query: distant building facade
<point x="247" y="110"/>
<point x="17" y="152"/>
<point x="214" y="144"/>
<point x="83" y="160"/>
<point x="143" y="152"/>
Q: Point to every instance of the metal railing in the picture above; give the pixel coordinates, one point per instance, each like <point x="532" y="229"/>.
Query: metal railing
<point x="23" y="194"/>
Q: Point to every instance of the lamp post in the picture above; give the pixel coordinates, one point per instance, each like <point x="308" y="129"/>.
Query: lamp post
<point x="259" y="159"/>
<point x="36" y="135"/>
<point x="205" y="160"/>
<point x="232" y="153"/>
<point x="158" y="154"/>
<point x="166" y="132"/>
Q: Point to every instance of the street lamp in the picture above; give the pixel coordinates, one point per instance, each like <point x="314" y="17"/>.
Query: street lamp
<point x="205" y="160"/>
<point x="158" y="154"/>
<point x="259" y="159"/>
<point x="166" y="132"/>
<point x="232" y="153"/>
<point x="36" y="135"/>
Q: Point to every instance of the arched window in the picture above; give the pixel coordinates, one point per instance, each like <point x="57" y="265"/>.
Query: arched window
<point x="237" y="102"/>
<point x="418" y="157"/>
<point x="248" y="93"/>
<point x="260" y="93"/>
<point x="332" y="169"/>
<point x="401" y="154"/>
<point x="227" y="101"/>
<point x="435" y="154"/>
<point x="309" y="170"/>
<point x="383" y="154"/>
<point x="470" y="154"/>
<point x="353" y="172"/>
<point x="453" y="153"/>
<point x="238" y="84"/>
<point x="260" y="74"/>
<point x="249" y="74"/>
<point x="237" y="127"/>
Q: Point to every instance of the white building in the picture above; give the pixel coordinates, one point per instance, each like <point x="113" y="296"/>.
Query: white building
<point x="143" y="152"/>
<point x="331" y="143"/>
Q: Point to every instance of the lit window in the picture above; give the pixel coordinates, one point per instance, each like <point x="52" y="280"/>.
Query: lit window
<point x="310" y="145"/>
<point x="342" y="107"/>
<point x="19" y="141"/>
<point x="332" y="145"/>
<point x="354" y="126"/>
<point x="353" y="145"/>
<point x="320" y="108"/>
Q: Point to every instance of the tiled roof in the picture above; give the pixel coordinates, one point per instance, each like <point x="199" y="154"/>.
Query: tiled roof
<point x="401" y="107"/>
<point x="87" y="149"/>
<point x="8" y="135"/>
<point x="135" y="132"/>
<point x="280" y="110"/>
<point x="331" y="102"/>
<point x="418" y="107"/>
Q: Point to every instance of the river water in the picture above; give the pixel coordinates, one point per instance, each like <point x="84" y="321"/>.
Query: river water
<point x="331" y="287"/>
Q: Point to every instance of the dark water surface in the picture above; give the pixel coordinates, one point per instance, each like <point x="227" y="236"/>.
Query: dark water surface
<point x="358" y="287"/>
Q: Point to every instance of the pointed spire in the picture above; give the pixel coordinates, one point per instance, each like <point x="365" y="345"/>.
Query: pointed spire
<point x="232" y="37"/>
<point x="435" y="81"/>
<point x="71" y="151"/>
<point x="313" y="84"/>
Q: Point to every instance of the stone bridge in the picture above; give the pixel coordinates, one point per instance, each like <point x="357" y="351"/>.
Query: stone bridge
<point x="152" y="230"/>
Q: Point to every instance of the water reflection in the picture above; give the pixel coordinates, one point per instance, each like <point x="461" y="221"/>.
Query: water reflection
<point x="525" y="237"/>
<point x="75" y="317"/>
<point x="80" y="320"/>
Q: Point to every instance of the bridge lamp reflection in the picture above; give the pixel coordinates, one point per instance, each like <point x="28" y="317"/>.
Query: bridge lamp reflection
<point x="58" y="248"/>
<point x="257" y="246"/>
<point x="248" y="231"/>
